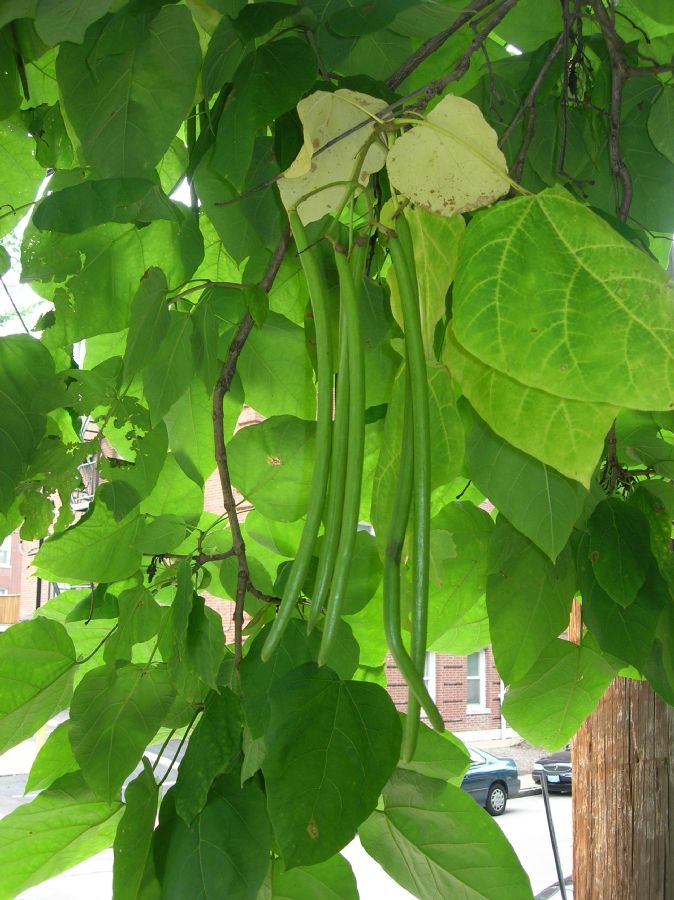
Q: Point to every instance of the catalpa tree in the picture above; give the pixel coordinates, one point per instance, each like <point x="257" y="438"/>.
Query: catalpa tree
<point x="426" y="243"/>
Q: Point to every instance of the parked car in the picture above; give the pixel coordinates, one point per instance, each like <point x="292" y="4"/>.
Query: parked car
<point x="557" y="770"/>
<point x="491" y="780"/>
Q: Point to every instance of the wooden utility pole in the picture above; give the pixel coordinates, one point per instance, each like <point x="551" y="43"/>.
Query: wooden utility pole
<point x="623" y="795"/>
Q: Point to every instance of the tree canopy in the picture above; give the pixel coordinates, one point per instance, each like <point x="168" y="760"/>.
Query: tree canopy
<point x="426" y="242"/>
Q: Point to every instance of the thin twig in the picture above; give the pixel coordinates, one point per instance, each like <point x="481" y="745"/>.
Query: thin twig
<point x="222" y="386"/>
<point x="530" y="99"/>
<point x="429" y="47"/>
<point x="180" y="747"/>
<point x="16" y="308"/>
<point x="622" y="179"/>
<point x="204" y="287"/>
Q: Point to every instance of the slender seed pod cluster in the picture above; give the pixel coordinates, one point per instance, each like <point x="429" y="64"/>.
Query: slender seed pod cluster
<point x="338" y="471"/>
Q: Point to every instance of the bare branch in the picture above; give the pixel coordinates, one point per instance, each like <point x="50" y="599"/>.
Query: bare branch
<point x="621" y="177"/>
<point x="530" y="99"/>
<point x="429" y="47"/>
<point x="223" y="384"/>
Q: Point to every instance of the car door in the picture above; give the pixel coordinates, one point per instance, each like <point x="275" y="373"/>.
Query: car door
<point x="476" y="780"/>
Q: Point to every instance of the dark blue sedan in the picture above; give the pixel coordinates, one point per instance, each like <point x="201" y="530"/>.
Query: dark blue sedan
<point x="491" y="780"/>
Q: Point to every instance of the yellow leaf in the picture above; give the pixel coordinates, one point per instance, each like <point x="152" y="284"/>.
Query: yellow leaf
<point x="325" y="176"/>
<point x="450" y="163"/>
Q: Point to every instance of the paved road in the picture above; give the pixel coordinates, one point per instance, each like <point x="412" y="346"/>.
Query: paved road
<point x="525" y="826"/>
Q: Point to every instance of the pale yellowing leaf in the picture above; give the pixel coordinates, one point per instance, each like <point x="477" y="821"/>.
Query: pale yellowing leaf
<point x="450" y="163"/>
<point x="566" y="434"/>
<point x="436" y="255"/>
<point x="325" y="176"/>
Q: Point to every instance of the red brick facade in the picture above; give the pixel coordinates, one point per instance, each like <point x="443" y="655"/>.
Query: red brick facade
<point x="448" y="686"/>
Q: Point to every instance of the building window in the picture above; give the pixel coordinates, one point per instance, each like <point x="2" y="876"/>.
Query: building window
<point x="3" y="592"/>
<point x="476" y="683"/>
<point x="6" y="551"/>
<point x="429" y="674"/>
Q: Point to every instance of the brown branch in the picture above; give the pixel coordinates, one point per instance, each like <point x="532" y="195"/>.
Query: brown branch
<point x="530" y="99"/>
<point x="429" y="47"/>
<point x="223" y="385"/>
<point x="433" y="88"/>
<point x="656" y="69"/>
<point x="622" y="179"/>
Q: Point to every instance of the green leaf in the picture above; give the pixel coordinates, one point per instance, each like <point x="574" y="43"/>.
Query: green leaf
<point x="528" y="598"/>
<point x="10" y="96"/>
<point x="435" y="841"/>
<point x="570" y="278"/>
<point x="566" y="434"/>
<point x="57" y="21"/>
<point x="271" y="464"/>
<point x="551" y="702"/>
<point x="659" y="667"/>
<point x="249" y="224"/>
<point x="257" y="302"/>
<point x="447" y="433"/>
<point x="174" y="494"/>
<point x="113" y="716"/>
<point x="133" y="840"/>
<point x="530" y="23"/>
<point x="58" y="829"/>
<point x="325" y="767"/>
<point x="440" y="756"/>
<point x="436" y="242"/>
<point x="25" y="366"/>
<point x="97" y="548"/>
<point x="259" y="679"/>
<point x="269" y="81"/>
<point x="365" y="17"/>
<point x="106" y="262"/>
<point x="20" y="174"/>
<point x="619" y="548"/>
<point x="37" y="659"/>
<point x="537" y="500"/>
<point x="213" y="749"/>
<point x="168" y="372"/>
<point x="450" y="163"/>
<point x="190" y="428"/>
<point x="661" y="122"/>
<point x="54" y="759"/>
<point x="140" y="618"/>
<point x="276" y="372"/>
<point x="627" y="633"/>
<point x="149" y="320"/>
<point x="226" y="49"/>
<point x="74" y="209"/>
<point x="329" y="880"/>
<point x="459" y="564"/>
<point x="149" y="460"/>
<point x="126" y="107"/>
<point x="224" y="853"/>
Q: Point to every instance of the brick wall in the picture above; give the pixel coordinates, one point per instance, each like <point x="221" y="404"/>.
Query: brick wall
<point x="449" y="689"/>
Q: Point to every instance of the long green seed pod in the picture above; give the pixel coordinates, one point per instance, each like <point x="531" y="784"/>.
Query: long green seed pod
<point x="394" y="539"/>
<point x="318" y="293"/>
<point x="354" y="464"/>
<point x="335" y="501"/>
<point x="421" y="430"/>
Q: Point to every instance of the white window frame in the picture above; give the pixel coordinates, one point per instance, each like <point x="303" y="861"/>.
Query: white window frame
<point x="481" y="678"/>
<point x="3" y="592"/>
<point x="429" y="674"/>
<point x="6" y="552"/>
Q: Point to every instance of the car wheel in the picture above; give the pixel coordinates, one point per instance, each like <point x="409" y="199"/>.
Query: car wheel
<point x="497" y="798"/>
